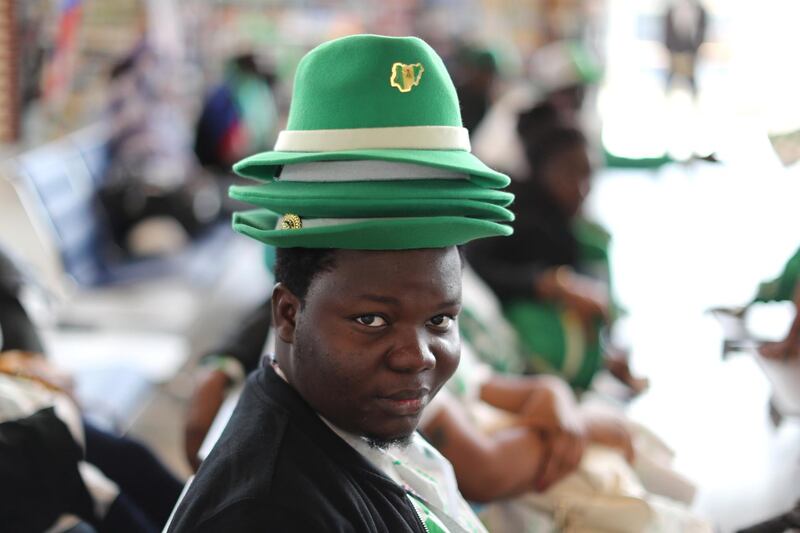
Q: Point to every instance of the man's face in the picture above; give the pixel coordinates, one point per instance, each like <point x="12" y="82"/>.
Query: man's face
<point x="568" y="177"/>
<point x="376" y="338"/>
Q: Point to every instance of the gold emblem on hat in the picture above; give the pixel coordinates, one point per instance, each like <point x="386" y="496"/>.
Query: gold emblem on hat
<point x="291" y="221"/>
<point x="405" y="77"/>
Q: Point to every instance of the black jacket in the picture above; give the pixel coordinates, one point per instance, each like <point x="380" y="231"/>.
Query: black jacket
<point x="543" y="238"/>
<point x="278" y="467"/>
<point x="39" y="477"/>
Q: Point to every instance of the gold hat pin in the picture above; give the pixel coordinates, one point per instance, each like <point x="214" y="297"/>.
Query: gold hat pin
<point x="405" y="77"/>
<point x="291" y="221"/>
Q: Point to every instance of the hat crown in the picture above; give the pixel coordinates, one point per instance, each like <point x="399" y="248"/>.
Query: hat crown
<point x="372" y="81"/>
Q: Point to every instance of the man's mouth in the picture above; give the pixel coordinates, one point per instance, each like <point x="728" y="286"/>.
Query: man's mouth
<point x="408" y="402"/>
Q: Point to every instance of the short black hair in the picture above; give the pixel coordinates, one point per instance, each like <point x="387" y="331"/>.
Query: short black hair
<point x="296" y="268"/>
<point x="552" y="143"/>
<point x="544" y="135"/>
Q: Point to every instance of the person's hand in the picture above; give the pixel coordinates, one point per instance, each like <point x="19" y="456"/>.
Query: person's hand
<point x="550" y="405"/>
<point x="619" y="367"/>
<point x="610" y="430"/>
<point x="563" y="453"/>
<point x="589" y="307"/>
<point x="208" y="395"/>
<point x="551" y="408"/>
<point x="586" y="297"/>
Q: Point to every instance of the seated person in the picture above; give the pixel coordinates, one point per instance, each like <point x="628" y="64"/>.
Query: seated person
<point x="784" y="288"/>
<point x="56" y="467"/>
<point x="368" y="289"/>
<point x="238" y="116"/>
<point x="553" y="274"/>
<point x="481" y="416"/>
<point x="512" y="444"/>
<point x="153" y="179"/>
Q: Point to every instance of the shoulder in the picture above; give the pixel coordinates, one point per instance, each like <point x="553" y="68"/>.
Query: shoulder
<point x="253" y="515"/>
<point x="241" y="467"/>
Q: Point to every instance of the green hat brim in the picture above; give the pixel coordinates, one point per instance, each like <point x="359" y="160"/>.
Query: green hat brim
<point x="378" y="199"/>
<point x="263" y="166"/>
<point x="375" y="234"/>
<point x="371" y="190"/>
<point x="396" y="208"/>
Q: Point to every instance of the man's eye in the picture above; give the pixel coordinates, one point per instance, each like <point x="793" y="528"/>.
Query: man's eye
<point x="371" y="321"/>
<point x="441" y="322"/>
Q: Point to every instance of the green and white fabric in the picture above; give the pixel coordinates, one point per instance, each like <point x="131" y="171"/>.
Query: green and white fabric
<point x="781" y="288"/>
<point x="552" y="336"/>
<point x="484" y="328"/>
<point x="427" y="478"/>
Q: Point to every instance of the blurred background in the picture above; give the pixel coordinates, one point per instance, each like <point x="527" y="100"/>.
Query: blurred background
<point x="695" y="152"/>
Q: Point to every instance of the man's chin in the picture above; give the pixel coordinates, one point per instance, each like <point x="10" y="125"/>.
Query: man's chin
<point x="383" y="443"/>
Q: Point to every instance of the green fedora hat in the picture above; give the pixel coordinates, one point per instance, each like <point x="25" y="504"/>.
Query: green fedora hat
<point x="371" y="97"/>
<point x="377" y="233"/>
<point x="398" y="198"/>
<point x="315" y="208"/>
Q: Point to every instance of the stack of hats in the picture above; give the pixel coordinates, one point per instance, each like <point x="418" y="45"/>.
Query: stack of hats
<point x="374" y="157"/>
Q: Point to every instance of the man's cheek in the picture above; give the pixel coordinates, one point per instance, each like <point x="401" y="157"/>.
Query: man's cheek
<point x="449" y="354"/>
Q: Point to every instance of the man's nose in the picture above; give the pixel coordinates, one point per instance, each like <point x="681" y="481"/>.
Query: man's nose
<point x="412" y="352"/>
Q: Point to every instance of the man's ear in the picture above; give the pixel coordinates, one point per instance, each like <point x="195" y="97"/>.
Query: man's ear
<point x="285" y="308"/>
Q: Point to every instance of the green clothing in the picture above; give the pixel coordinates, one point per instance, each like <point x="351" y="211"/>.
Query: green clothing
<point x="556" y="341"/>
<point x="555" y="337"/>
<point x="781" y="288"/>
<point x="526" y="336"/>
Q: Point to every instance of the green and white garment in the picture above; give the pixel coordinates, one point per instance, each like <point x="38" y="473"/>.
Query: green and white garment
<point x="781" y="288"/>
<point x="427" y="478"/>
<point x="554" y="338"/>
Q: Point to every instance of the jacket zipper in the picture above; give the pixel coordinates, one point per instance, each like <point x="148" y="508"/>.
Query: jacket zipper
<point x="419" y="516"/>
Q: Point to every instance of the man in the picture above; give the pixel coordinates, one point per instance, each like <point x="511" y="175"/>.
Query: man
<point x="367" y="195"/>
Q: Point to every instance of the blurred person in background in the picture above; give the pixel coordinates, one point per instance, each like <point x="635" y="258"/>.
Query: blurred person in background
<point x="563" y="72"/>
<point x="57" y="468"/>
<point x="475" y="76"/>
<point x="558" y="78"/>
<point x="152" y="170"/>
<point x="239" y="116"/>
<point x="553" y="275"/>
<point x="784" y="288"/>
<point x="685" y="24"/>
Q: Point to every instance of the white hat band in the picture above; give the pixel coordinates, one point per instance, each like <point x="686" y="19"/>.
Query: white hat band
<point x="364" y="170"/>
<point x="400" y="138"/>
<point x="290" y="222"/>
